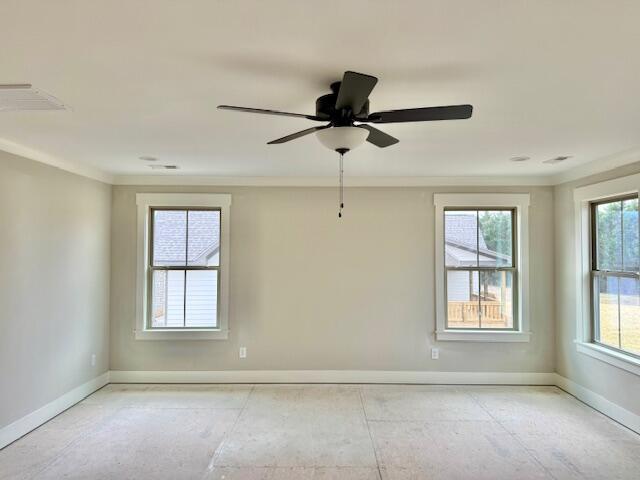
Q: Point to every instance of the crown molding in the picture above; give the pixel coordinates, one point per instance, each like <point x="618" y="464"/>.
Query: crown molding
<point x="600" y="165"/>
<point x="78" y="168"/>
<point x="179" y="180"/>
<point x="171" y="179"/>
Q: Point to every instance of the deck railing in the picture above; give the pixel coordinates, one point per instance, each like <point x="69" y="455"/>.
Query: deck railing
<point x="465" y="314"/>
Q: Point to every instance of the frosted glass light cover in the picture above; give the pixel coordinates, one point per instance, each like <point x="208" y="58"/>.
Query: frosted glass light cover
<point x="348" y="138"/>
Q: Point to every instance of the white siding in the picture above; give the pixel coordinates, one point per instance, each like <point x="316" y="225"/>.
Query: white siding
<point x="202" y="298"/>
<point x="201" y="301"/>
<point x="458" y="286"/>
<point x="175" y="298"/>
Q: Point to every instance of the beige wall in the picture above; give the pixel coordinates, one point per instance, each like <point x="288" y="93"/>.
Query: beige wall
<point x="307" y="291"/>
<point x="618" y="386"/>
<point x="54" y="283"/>
<point x="311" y="292"/>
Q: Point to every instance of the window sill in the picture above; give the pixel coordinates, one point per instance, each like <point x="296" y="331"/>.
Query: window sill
<point x="604" y="354"/>
<point x="475" y="336"/>
<point x="181" y="334"/>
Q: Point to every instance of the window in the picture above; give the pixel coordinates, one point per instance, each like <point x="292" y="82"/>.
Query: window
<point x="481" y="267"/>
<point x="183" y="266"/>
<point x="607" y="265"/>
<point x="615" y="286"/>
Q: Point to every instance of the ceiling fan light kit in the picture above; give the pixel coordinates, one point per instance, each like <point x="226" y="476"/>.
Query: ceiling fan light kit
<point x="342" y="138"/>
<point x="346" y="109"/>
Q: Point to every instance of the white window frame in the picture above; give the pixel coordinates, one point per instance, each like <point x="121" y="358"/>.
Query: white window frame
<point x="146" y="201"/>
<point x="517" y="201"/>
<point x="583" y="197"/>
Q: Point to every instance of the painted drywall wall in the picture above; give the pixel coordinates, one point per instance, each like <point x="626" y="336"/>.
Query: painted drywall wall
<point x="309" y="291"/>
<point x="617" y="385"/>
<point x="54" y="283"/>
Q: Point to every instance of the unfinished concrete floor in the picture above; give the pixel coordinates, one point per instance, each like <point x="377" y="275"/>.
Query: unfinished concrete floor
<point x="326" y="432"/>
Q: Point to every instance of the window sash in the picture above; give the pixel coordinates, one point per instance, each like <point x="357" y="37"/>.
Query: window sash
<point x="152" y="210"/>
<point x="513" y="268"/>
<point x="151" y="268"/>
<point x="594" y="233"/>
<point x="514" y="298"/>
<point x="611" y="273"/>
<point x="595" y="309"/>
<point x="596" y="273"/>
<point x="514" y="232"/>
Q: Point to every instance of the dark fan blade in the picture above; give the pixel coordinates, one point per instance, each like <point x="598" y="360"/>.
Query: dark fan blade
<point x="427" y="114"/>
<point x="267" y="112"/>
<point x="378" y="137"/>
<point x="354" y="91"/>
<point x="293" y="136"/>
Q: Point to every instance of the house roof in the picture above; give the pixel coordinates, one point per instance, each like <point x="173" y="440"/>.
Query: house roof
<point x="465" y="244"/>
<point x="170" y="236"/>
<point x="461" y="229"/>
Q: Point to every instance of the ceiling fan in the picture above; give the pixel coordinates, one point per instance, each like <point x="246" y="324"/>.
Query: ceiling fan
<point x="346" y="109"/>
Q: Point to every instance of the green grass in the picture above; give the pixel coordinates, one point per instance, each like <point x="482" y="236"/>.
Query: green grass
<point x="629" y="337"/>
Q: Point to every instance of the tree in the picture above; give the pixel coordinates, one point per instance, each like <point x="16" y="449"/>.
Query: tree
<point x="617" y="235"/>
<point x="496" y="229"/>
<point x="495" y="226"/>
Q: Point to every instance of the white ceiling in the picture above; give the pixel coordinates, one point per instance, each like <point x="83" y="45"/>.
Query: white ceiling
<point x="546" y="78"/>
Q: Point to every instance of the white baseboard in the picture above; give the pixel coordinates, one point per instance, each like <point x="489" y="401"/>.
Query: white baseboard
<point x="332" y="376"/>
<point x="597" y="401"/>
<point x="24" y="425"/>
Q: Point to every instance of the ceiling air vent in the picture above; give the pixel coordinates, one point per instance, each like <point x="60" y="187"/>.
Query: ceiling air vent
<point x="24" y="97"/>
<point x="163" y="167"/>
<point x="559" y="159"/>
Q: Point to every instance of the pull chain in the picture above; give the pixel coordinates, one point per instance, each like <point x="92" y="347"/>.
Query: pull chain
<point x="341" y="189"/>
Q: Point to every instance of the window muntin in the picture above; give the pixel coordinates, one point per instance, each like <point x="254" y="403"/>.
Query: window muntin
<point x="184" y="268"/>
<point x="480" y="268"/>
<point x="615" y="280"/>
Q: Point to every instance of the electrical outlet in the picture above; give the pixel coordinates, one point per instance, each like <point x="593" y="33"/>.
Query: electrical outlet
<point x="435" y="353"/>
<point x="243" y="352"/>
<point x="93" y="359"/>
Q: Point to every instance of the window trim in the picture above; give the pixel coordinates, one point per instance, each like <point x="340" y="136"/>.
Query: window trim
<point x="596" y="272"/>
<point x="516" y="201"/>
<point x="145" y="203"/>
<point x="584" y="197"/>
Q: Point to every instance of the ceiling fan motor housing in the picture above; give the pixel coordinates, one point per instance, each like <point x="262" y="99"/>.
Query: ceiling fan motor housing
<point x="326" y="109"/>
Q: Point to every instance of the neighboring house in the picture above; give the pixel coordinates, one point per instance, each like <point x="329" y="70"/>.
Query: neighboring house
<point x="465" y="246"/>
<point x="170" y="249"/>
